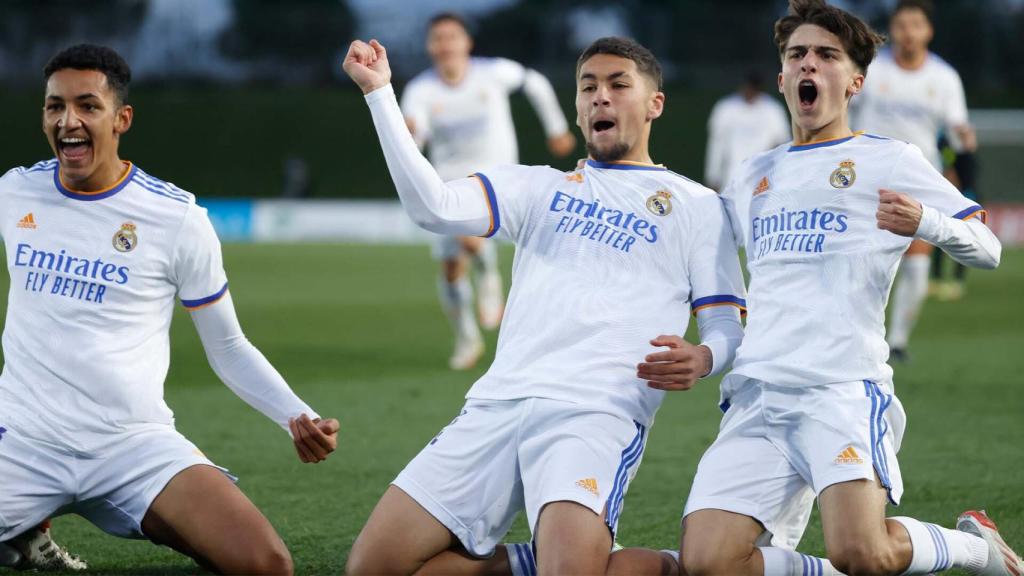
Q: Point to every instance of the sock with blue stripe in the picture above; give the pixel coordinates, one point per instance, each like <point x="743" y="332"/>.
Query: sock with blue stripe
<point x="520" y="559"/>
<point x="781" y="562"/>
<point x="937" y="548"/>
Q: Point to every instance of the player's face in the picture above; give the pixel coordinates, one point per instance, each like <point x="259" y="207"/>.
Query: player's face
<point x="818" y="78"/>
<point x="83" y="122"/>
<point x="911" y="31"/>
<point x="615" y="105"/>
<point x="448" y="43"/>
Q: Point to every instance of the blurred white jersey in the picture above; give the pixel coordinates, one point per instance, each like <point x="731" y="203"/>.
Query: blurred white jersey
<point x="911" y="105"/>
<point x="820" y="269"/>
<point x="738" y="129"/>
<point x="468" y="126"/>
<point x="607" y="258"/>
<point x="93" y="281"/>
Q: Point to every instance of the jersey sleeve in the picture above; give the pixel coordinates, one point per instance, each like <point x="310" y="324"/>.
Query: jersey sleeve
<point x="415" y="110"/>
<point x="955" y="104"/>
<point x="512" y="191"/>
<point x="198" y="265"/>
<point x="730" y="200"/>
<point x="714" y="156"/>
<point x="915" y="176"/>
<point x="508" y="73"/>
<point x="714" y="265"/>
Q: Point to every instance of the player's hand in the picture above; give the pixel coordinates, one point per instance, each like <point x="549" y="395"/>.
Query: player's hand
<point x="677" y="368"/>
<point x="367" y="65"/>
<point x="968" y="137"/>
<point x="562" y="145"/>
<point x="898" y="213"/>
<point x="314" y="439"/>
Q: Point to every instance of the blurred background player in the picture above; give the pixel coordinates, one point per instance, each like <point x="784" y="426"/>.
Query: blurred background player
<point x="960" y="168"/>
<point x="911" y="94"/>
<point x="97" y="252"/>
<point x="460" y="110"/>
<point x="742" y="124"/>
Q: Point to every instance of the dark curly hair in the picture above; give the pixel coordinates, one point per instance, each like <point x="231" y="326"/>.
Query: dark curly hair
<point x="859" y="40"/>
<point x="626" y="48"/>
<point x="93" y="57"/>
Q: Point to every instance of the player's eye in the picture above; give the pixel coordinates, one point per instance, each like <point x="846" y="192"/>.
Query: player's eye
<point x="588" y="88"/>
<point x="54" y="107"/>
<point x="620" y="85"/>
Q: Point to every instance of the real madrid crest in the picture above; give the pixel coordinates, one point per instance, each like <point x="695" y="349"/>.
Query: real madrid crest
<point x="660" y="203"/>
<point x="125" y="239"/>
<point x="844" y="176"/>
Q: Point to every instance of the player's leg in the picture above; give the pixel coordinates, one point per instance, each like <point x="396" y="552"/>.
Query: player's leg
<point x="36" y="550"/>
<point x="908" y="297"/>
<point x="572" y="539"/>
<point x="456" y="294"/>
<point x="201" y="513"/>
<point x="447" y="510"/>
<point x="631" y="561"/>
<point x="490" y="292"/>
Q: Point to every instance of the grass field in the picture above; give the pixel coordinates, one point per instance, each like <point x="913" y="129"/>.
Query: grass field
<point x="358" y="333"/>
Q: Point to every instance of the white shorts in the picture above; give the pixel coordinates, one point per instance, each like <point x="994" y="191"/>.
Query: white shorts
<point x="501" y="456"/>
<point x="444" y="248"/>
<point x="779" y="447"/>
<point x="113" y="490"/>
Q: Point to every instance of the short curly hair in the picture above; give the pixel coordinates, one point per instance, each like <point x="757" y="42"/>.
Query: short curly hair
<point x="94" y="57"/>
<point x="859" y="40"/>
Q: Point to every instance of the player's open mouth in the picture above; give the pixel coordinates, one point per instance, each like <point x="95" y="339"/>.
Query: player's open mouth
<point x="808" y="92"/>
<point x="74" y="148"/>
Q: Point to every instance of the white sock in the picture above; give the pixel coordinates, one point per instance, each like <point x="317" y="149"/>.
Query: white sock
<point x="485" y="261"/>
<point x="781" y="562"/>
<point x="457" y="303"/>
<point x="937" y="548"/>
<point x="911" y="290"/>
<point x="520" y="559"/>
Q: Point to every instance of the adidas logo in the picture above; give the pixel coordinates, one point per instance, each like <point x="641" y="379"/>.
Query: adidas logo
<point x="29" y="221"/>
<point x="762" y="186"/>
<point x="590" y="485"/>
<point x="849" y="456"/>
<point x="576" y="177"/>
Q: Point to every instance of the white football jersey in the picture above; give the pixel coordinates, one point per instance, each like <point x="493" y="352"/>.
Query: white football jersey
<point x="820" y="268"/>
<point x="911" y="105"/>
<point x="468" y="126"/>
<point x="607" y="258"/>
<point x="93" y="282"/>
<point x="738" y="129"/>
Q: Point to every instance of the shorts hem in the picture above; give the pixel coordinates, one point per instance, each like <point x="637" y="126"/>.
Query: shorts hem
<point x="734" y="505"/>
<point x="852" y="475"/>
<point x="423" y="497"/>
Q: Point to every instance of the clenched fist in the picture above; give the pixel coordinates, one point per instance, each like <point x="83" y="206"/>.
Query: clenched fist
<point x="367" y="65"/>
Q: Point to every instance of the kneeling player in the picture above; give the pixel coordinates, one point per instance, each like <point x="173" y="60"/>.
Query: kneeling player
<point x="97" y="250"/>
<point x="606" y="255"/>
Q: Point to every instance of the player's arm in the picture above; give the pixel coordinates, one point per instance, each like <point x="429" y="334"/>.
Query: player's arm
<point x="717" y="300"/>
<point x="928" y="207"/>
<point x="461" y="207"/>
<point x="714" y="159"/>
<point x="541" y="94"/>
<point x="244" y="369"/>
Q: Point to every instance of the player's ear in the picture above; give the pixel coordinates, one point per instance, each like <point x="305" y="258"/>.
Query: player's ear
<point x="123" y="119"/>
<point x="779" y="82"/>
<point x="656" y="105"/>
<point x="856" y="84"/>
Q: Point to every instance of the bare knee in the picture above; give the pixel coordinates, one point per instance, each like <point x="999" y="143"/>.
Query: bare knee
<point x="275" y="560"/>
<point x="709" y="561"/>
<point x="363" y="560"/>
<point x="865" y="558"/>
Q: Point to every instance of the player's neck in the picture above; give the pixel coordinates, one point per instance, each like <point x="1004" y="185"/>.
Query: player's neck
<point x="838" y="128"/>
<point x="454" y="73"/>
<point x="910" y="60"/>
<point x="105" y="176"/>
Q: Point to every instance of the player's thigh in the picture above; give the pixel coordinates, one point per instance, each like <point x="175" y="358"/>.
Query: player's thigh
<point x="745" y="473"/>
<point x="571" y="539"/>
<point x="399" y="537"/>
<point x="717" y="541"/>
<point x="919" y="248"/>
<point x="472" y="244"/>
<point x="467" y="477"/>
<point x="857" y="536"/>
<point x="36" y="480"/>
<point x="202" y="513"/>
<point x="573" y="454"/>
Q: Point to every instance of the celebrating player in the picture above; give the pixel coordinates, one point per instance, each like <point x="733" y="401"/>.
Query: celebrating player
<point x="911" y="94"/>
<point x="460" y="109"/>
<point x="606" y="256"/>
<point x="809" y="404"/>
<point x="742" y="124"/>
<point x="97" y="250"/>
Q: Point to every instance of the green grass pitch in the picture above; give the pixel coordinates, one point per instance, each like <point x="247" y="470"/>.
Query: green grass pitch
<point x="358" y="333"/>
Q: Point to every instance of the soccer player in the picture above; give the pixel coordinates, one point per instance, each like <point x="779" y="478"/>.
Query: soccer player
<point x="913" y="95"/>
<point x="742" y="124"/>
<point x="809" y="404"/>
<point x="606" y="255"/>
<point x="460" y="109"/>
<point x="97" y="251"/>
